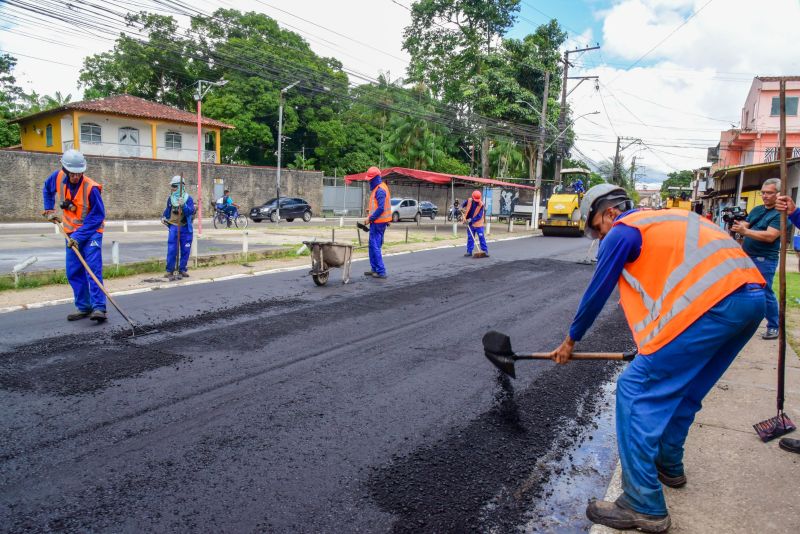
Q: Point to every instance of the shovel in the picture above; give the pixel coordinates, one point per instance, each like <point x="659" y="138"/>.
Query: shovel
<point x="134" y="326"/>
<point x="497" y="347"/>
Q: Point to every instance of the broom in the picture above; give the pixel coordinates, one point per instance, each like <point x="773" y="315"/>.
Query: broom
<point x="779" y="425"/>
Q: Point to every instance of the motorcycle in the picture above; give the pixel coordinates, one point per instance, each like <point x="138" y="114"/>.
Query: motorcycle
<point x="455" y="214"/>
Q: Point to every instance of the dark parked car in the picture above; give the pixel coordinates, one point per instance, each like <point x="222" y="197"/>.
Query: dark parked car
<point x="428" y="209"/>
<point x="290" y="209"/>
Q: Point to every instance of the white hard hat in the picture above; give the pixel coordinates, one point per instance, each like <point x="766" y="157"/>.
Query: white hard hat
<point x="176" y="180"/>
<point x="589" y="204"/>
<point x="73" y="161"/>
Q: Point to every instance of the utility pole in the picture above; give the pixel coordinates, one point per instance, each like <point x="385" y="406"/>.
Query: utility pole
<point x="633" y="172"/>
<point x="485" y="156"/>
<point x="562" y="116"/>
<point x="537" y="194"/>
<point x="616" y="172"/>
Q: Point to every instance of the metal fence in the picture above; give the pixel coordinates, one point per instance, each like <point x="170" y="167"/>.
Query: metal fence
<point x="342" y="199"/>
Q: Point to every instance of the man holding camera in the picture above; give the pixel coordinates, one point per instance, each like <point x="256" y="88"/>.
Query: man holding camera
<point x="762" y="232"/>
<point x="83" y="217"/>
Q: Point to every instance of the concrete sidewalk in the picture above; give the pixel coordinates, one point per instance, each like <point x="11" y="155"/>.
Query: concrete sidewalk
<point x="737" y="484"/>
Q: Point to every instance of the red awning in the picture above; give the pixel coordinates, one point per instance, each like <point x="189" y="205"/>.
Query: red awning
<point x="399" y="173"/>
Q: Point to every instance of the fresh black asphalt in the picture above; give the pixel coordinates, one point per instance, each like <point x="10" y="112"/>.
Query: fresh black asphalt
<point x="266" y="404"/>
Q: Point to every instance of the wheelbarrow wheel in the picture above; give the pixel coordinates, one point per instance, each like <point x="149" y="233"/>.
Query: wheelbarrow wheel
<point x="320" y="279"/>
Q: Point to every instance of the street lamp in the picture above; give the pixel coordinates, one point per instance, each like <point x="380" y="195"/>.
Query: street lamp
<point x="280" y="143"/>
<point x="198" y="96"/>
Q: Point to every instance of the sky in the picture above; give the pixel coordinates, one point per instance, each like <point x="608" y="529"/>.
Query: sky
<point x="672" y="73"/>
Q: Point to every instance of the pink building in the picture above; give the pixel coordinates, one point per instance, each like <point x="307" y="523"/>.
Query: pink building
<point x="757" y="139"/>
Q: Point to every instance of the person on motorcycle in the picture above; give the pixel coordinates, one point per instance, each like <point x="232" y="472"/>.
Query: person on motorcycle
<point x="228" y="207"/>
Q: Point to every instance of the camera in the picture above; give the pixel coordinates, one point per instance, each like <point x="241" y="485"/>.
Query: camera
<point x="731" y="215"/>
<point x="68" y="205"/>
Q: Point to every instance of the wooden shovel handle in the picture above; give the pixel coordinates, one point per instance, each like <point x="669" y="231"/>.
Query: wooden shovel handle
<point x="621" y="356"/>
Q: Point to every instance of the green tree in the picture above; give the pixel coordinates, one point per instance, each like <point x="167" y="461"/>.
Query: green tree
<point x="158" y="68"/>
<point x="10" y="96"/>
<point x="676" y="179"/>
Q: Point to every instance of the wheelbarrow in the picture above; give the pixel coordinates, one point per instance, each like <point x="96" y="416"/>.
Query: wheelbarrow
<point x="326" y="255"/>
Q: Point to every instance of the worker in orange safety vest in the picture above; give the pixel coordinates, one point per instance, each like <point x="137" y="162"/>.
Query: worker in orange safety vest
<point x="692" y="299"/>
<point x="378" y="219"/>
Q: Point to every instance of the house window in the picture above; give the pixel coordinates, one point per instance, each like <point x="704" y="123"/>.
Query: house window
<point x="174" y="140"/>
<point x="90" y="133"/>
<point x="49" y="134"/>
<point x="796" y="152"/>
<point x="791" y="106"/>
<point x="770" y="154"/>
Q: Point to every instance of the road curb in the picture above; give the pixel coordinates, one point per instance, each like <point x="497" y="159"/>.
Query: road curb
<point x="10" y="309"/>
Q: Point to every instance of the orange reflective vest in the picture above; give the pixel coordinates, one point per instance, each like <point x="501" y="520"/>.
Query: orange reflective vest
<point x="479" y="204"/>
<point x="686" y="266"/>
<point x="386" y="214"/>
<point x="73" y="219"/>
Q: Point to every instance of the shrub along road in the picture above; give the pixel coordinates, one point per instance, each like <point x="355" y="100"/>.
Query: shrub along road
<point x="269" y="404"/>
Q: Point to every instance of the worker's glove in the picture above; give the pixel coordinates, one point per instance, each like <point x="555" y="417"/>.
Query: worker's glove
<point x="51" y="216"/>
<point x="71" y="243"/>
<point x="164" y="221"/>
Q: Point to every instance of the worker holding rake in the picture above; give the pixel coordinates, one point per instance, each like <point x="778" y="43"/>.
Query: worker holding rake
<point x="83" y="215"/>
<point x="692" y="299"/>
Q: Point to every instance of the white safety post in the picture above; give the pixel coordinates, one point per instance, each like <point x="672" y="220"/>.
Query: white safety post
<point x="125" y="226"/>
<point x="115" y="255"/>
<point x="18" y="268"/>
<point x="455" y="229"/>
<point x="510" y="225"/>
<point x="245" y="247"/>
<point x="488" y="227"/>
<point x="341" y="222"/>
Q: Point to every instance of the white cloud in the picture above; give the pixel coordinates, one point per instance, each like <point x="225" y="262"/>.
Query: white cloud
<point x="702" y="72"/>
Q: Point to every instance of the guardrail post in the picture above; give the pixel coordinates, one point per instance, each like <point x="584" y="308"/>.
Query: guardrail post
<point x="406" y="234"/>
<point x="125" y="227"/>
<point x="245" y="245"/>
<point x="115" y="255"/>
<point x="455" y="229"/>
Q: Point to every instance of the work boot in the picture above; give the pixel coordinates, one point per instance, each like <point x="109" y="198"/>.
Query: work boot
<point x="468" y="255"/>
<point x="485" y="254"/>
<point x="184" y="274"/>
<point x="99" y="316"/>
<point x="370" y="273"/>
<point x="380" y="276"/>
<point x="78" y="315"/>
<point x="789" y="444"/>
<point x="771" y="333"/>
<point x="613" y="515"/>
<point x="671" y="481"/>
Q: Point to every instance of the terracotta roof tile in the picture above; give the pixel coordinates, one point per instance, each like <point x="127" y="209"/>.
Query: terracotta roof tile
<point x="132" y="106"/>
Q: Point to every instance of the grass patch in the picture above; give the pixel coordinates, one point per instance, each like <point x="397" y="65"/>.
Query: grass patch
<point x="58" y="277"/>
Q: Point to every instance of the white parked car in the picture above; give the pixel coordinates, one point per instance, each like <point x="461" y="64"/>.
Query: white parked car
<point x="404" y="208"/>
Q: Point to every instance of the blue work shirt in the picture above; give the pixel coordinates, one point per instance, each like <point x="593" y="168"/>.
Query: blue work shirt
<point x="380" y="198"/>
<point x="794" y="217"/>
<point x="97" y="210"/>
<point x="473" y="216"/>
<point x="760" y="219"/>
<point x="621" y="245"/>
<point x="188" y="212"/>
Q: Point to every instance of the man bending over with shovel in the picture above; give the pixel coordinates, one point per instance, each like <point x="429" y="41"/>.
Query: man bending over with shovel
<point x="692" y="299"/>
<point x="83" y="216"/>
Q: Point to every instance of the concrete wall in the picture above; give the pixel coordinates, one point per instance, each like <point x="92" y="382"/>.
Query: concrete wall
<point x="138" y="188"/>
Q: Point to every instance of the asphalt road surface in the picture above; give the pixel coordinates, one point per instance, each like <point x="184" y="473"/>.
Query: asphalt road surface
<point x="268" y="404"/>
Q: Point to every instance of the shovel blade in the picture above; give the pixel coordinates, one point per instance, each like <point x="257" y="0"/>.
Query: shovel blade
<point x="497" y="348"/>
<point x="774" y="427"/>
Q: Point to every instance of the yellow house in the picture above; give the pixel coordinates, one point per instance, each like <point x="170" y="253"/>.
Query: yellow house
<point x="122" y="126"/>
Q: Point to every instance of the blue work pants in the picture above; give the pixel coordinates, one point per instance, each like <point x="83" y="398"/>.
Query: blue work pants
<point x="481" y="238"/>
<point x="767" y="268"/>
<point x="172" y="248"/>
<point x="376" y="231"/>
<point x="88" y="295"/>
<point x="659" y="394"/>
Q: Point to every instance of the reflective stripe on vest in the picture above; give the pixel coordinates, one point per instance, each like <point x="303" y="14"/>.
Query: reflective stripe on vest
<point x="686" y="266"/>
<point x="72" y="220"/>
<point x="386" y="214"/>
<point x="479" y="222"/>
